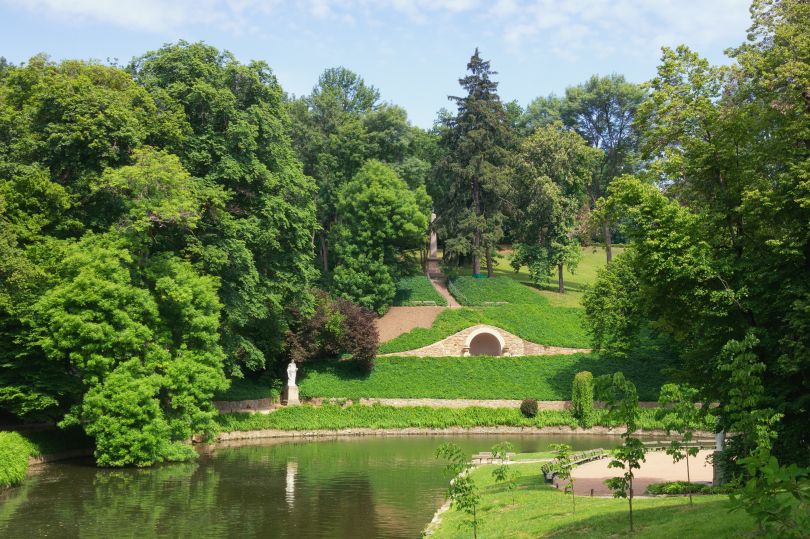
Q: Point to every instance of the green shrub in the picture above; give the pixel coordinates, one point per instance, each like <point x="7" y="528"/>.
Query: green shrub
<point x="528" y="408"/>
<point x="582" y="398"/>
<point x="675" y="488"/>
<point x="330" y="416"/>
<point x="14" y="452"/>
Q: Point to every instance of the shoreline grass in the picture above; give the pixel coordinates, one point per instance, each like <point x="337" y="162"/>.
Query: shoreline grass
<point x="540" y="510"/>
<point x="378" y="416"/>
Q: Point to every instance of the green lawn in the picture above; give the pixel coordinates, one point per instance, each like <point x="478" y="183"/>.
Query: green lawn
<point x="332" y="416"/>
<point x="416" y="291"/>
<point x="540" y="510"/>
<point x="473" y="291"/>
<point x="593" y="258"/>
<point x="478" y="377"/>
<point x="540" y="323"/>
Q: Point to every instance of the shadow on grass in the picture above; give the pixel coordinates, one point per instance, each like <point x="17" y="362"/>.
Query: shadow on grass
<point x="709" y="519"/>
<point x="343" y="370"/>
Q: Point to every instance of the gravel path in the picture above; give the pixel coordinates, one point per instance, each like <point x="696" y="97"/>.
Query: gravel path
<point x="441" y="287"/>
<point x="657" y="468"/>
<point x="399" y="320"/>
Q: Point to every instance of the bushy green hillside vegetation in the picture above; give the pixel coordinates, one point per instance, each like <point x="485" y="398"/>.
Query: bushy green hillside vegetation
<point x="478" y="377"/>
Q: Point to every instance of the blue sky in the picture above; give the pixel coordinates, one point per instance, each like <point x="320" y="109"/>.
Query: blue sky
<point x="413" y="51"/>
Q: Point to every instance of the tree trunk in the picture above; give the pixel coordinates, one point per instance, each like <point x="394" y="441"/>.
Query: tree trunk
<point x="560" y="278"/>
<point x="490" y="268"/>
<point x="688" y="478"/>
<point x="608" y="249"/>
<point x="324" y="254"/>
<point x="630" y="501"/>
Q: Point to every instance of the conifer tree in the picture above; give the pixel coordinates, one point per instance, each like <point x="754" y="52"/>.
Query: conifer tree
<point x="471" y="178"/>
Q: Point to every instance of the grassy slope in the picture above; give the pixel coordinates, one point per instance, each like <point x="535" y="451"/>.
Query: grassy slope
<point x="538" y="323"/>
<point x="417" y="290"/>
<point x="593" y="258"/>
<point x="381" y="417"/>
<point x="540" y="377"/>
<point x="542" y="511"/>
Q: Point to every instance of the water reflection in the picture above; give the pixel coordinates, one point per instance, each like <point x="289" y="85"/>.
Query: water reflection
<point x="358" y="487"/>
<point x="289" y="491"/>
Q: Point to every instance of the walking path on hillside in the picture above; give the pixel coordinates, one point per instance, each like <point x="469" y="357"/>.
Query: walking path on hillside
<point x="440" y="285"/>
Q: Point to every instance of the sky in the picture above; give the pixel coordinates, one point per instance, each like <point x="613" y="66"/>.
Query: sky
<point x="413" y="51"/>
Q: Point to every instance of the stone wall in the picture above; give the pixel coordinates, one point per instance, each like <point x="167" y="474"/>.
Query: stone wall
<point x="515" y="346"/>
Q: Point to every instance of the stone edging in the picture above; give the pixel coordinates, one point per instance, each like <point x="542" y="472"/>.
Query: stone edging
<point x="264" y="405"/>
<point x="413" y="431"/>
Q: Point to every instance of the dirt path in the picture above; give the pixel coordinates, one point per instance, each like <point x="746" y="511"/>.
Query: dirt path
<point x="399" y="320"/>
<point x="441" y="287"/>
<point x="657" y="468"/>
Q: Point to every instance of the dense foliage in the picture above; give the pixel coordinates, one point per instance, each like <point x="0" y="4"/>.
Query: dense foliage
<point x="336" y="327"/>
<point x="381" y="221"/>
<point x="471" y="177"/>
<point x="156" y="229"/>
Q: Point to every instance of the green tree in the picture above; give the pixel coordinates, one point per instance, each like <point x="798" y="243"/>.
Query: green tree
<point x="602" y="110"/>
<point x="582" y="398"/>
<point x="256" y="233"/>
<point x="563" y="466"/>
<point x="621" y="400"/>
<point x="381" y="221"/>
<point x="463" y="491"/>
<point x="471" y="179"/>
<point x="504" y="473"/>
<point x="548" y="189"/>
<point x="141" y="342"/>
<point x="679" y="412"/>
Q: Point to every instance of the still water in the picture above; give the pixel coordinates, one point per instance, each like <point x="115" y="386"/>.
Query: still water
<point x="344" y="488"/>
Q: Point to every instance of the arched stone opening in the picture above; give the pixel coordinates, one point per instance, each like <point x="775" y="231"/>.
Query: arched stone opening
<point x="484" y="342"/>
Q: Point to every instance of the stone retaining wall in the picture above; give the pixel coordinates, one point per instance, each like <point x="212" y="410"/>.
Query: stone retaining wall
<point x="253" y="405"/>
<point x="455" y="344"/>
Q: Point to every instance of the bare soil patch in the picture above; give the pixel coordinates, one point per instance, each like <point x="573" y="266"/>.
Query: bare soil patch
<point x="399" y="320"/>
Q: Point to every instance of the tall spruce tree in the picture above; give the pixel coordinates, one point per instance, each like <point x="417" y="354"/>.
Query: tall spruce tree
<point x="471" y="179"/>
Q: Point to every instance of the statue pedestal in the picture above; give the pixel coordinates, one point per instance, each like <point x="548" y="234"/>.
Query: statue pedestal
<point x="290" y="396"/>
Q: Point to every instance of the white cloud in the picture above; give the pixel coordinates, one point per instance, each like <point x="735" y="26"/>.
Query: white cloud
<point x="569" y="28"/>
<point x="153" y="15"/>
<point x="629" y="27"/>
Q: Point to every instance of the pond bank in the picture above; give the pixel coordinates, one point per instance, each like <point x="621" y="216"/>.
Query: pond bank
<point x="417" y="431"/>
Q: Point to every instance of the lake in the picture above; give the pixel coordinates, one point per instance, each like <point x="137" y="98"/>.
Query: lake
<point x="363" y="487"/>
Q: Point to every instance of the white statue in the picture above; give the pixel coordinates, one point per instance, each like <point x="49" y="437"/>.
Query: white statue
<point x="291" y="371"/>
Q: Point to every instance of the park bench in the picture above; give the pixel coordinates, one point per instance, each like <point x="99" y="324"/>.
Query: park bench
<point x="485" y="457"/>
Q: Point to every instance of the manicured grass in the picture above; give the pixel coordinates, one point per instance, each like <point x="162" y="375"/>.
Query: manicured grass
<point x="540" y="323"/>
<point x="473" y="291"/>
<point x="415" y="291"/>
<point x="540" y="510"/>
<point x="329" y="416"/>
<point x="593" y="258"/>
<point x="478" y="377"/>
